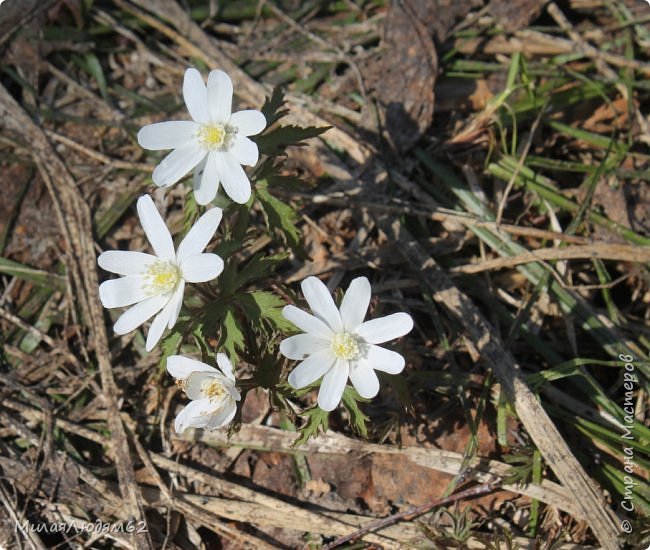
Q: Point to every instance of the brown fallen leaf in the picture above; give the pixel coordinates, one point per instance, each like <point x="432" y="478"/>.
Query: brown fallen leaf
<point x="410" y="64"/>
<point x="516" y="14"/>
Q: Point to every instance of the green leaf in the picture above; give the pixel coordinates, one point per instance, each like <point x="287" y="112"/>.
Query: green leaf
<point x="232" y="337"/>
<point x="275" y="142"/>
<point x="272" y="108"/>
<point x="90" y="63"/>
<point x="259" y="266"/>
<point x="273" y="174"/>
<point x="170" y="346"/>
<point x="521" y="462"/>
<point x="358" y="419"/>
<point x="267" y="375"/>
<point x="209" y="321"/>
<point x="262" y="304"/>
<point x="281" y="217"/>
<point x="316" y="420"/>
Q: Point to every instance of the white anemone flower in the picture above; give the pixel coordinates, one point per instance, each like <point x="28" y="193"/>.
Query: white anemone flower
<point x="213" y="392"/>
<point x="214" y="142"/>
<point x="155" y="283"/>
<point x="337" y="344"/>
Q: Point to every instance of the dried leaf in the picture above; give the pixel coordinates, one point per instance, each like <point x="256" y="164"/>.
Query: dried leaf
<point x="516" y="14"/>
<point x="405" y="90"/>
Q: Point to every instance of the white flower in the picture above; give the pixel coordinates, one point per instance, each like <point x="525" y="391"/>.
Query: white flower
<point x="156" y="283"/>
<point x="213" y="393"/>
<point x="214" y="142"/>
<point x="338" y="344"/>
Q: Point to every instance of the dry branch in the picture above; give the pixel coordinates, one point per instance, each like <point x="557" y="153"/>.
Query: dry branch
<point x="449" y="462"/>
<point x="603" y="251"/>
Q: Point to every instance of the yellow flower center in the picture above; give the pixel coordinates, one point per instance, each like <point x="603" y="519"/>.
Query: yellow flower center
<point x="212" y="388"/>
<point x="345" y="346"/>
<point x="215" y="136"/>
<point x="161" y="277"/>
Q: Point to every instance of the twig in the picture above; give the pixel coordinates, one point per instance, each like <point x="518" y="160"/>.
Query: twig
<point x="605" y="251"/>
<point x="413" y="513"/>
<point x="448" y="462"/>
<point x="104" y="159"/>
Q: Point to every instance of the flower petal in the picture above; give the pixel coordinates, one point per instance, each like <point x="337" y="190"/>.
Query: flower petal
<point x="195" y="96"/>
<point x="355" y="303"/>
<point x="167" y="135"/>
<point x="364" y="379"/>
<point x="180" y="366"/>
<point x="194" y="384"/>
<point x="177" y="163"/>
<point x="306" y="322"/>
<point x="193" y="415"/>
<point x="166" y="318"/>
<point x="199" y="235"/>
<point x="225" y="365"/>
<point x="155" y="229"/>
<point x="219" y="97"/>
<point x="158" y="326"/>
<point x="122" y="292"/>
<point x="177" y="300"/>
<point x="249" y="122"/>
<point x="206" y="182"/>
<point x="124" y="262"/>
<point x="384" y="360"/>
<point x="200" y="268"/>
<point x="321" y="303"/>
<point x="301" y="345"/>
<point x="386" y="328"/>
<point x="223" y="416"/>
<point x="331" y="389"/>
<point x="233" y="178"/>
<point x="244" y="150"/>
<point x="311" y="369"/>
<point x="140" y="313"/>
<point x="198" y="173"/>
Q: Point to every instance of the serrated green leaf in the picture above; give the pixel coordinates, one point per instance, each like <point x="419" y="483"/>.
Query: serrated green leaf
<point x="281" y="217"/>
<point x="316" y="420"/>
<point x="267" y="375"/>
<point x="262" y="304"/>
<point x="259" y="266"/>
<point x="210" y="320"/>
<point x="351" y="400"/>
<point x="272" y="108"/>
<point x="277" y="140"/>
<point x="232" y="337"/>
